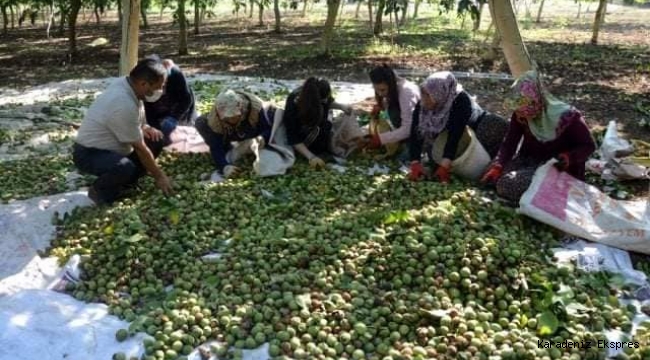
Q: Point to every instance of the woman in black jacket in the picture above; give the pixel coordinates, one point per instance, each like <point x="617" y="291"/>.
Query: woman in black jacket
<point x="445" y="106"/>
<point x="306" y="118"/>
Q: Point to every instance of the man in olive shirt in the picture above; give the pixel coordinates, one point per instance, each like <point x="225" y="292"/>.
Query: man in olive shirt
<point x="114" y="142"/>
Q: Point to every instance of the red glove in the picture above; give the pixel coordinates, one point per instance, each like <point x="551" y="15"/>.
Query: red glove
<point x="443" y="174"/>
<point x="493" y="174"/>
<point x="417" y="171"/>
<point x="563" y="161"/>
<point x="374" y="141"/>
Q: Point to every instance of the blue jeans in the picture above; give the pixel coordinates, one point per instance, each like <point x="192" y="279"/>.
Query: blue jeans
<point x="166" y="125"/>
<point x="115" y="172"/>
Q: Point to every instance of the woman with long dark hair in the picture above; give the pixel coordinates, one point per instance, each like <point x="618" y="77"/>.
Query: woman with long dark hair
<point x="398" y="98"/>
<point x="307" y="120"/>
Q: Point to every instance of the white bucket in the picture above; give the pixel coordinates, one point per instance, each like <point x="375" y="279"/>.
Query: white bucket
<point x="471" y="160"/>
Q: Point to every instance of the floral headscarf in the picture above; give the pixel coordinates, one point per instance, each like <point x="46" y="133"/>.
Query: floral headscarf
<point x="444" y="88"/>
<point x="541" y="110"/>
<point x="228" y="104"/>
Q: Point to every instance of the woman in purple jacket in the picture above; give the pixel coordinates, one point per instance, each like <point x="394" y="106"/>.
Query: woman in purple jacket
<point x="549" y="128"/>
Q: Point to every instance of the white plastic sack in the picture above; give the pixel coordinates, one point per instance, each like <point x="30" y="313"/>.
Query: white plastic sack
<point x="613" y="145"/>
<point x="277" y="156"/>
<point x="345" y="132"/>
<point x="562" y="201"/>
<point x="43" y="324"/>
<point x="628" y="170"/>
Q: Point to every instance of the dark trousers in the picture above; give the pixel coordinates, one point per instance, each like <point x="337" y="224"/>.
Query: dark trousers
<point x="218" y="147"/>
<point x="115" y="172"/>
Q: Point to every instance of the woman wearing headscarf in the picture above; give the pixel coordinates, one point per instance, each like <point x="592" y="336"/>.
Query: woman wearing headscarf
<point x="446" y="106"/>
<point x="549" y="128"/>
<point x="396" y="97"/>
<point x="235" y="116"/>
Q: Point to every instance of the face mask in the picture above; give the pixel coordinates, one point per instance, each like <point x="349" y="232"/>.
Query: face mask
<point x="154" y="97"/>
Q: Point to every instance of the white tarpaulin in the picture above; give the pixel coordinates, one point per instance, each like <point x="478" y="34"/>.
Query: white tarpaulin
<point x="36" y="323"/>
<point x="44" y="324"/>
<point x="27" y="228"/>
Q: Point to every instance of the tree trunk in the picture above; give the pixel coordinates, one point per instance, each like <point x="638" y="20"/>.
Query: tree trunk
<point x="75" y="5"/>
<point x="513" y="46"/>
<point x="598" y="20"/>
<point x="50" y="22"/>
<point x="144" y="4"/>
<point x="378" y="17"/>
<point x="356" y="12"/>
<point x="260" y="22"/>
<point x="602" y="15"/>
<point x="278" y="19"/>
<point x="416" y="8"/>
<point x="130" y="30"/>
<point x="370" y="17"/>
<point x="539" y="12"/>
<point x="341" y="8"/>
<point x="579" y="8"/>
<point x="96" y="11"/>
<point x="405" y="9"/>
<point x="328" y="31"/>
<point x="252" y="6"/>
<point x="11" y="11"/>
<point x="496" y="43"/>
<point x="197" y="17"/>
<point x="5" y="19"/>
<point x="62" y="17"/>
<point x="120" y="16"/>
<point x="477" y="21"/>
<point x="304" y="8"/>
<point x="182" y="30"/>
<point x="162" y="10"/>
<point x="493" y="51"/>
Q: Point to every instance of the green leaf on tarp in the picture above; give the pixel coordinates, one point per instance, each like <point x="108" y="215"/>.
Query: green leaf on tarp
<point x="133" y="239"/>
<point x="523" y="321"/>
<point x="564" y="295"/>
<point x="617" y="281"/>
<point x="174" y="217"/>
<point x="396" y="217"/>
<point x="576" y="309"/>
<point x="137" y="325"/>
<point x="547" y="324"/>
